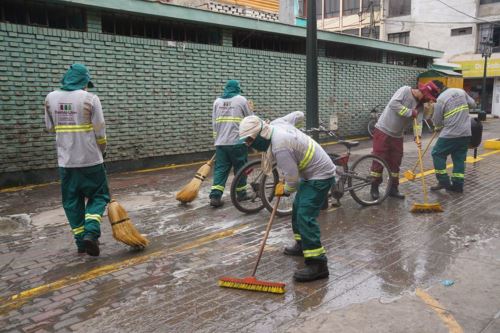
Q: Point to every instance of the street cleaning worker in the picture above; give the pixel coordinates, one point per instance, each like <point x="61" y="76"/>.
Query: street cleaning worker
<point x="307" y="170"/>
<point x="405" y="105"/>
<point x="76" y="117"/>
<point x="451" y="117"/>
<point x="228" y="111"/>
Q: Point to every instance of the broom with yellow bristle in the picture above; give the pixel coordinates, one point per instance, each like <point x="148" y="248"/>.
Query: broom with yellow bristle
<point x="250" y="282"/>
<point x="189" y="192"/>
<point x="123" y="229"/>
<point x="425" y="207"/>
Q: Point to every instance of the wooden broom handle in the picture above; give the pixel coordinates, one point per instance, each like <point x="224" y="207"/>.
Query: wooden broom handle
<point x="425" y="150"/>
<point x="424" y="188"/>
<point x="263" y="244"/>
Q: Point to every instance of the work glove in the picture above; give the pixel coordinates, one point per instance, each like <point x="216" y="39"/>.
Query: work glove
<point x="279" y="191"/>
<point x="104" y="153"/>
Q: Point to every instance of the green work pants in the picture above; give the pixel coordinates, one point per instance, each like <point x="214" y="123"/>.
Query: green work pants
<point x="226" y="157"/>
<point x="309" y="199"/>
<point x="457" y="148"/>
<point x="78" y="184"/>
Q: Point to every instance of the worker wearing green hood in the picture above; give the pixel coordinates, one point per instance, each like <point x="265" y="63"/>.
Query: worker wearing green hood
<point x="228" y="111"/>
<point x="76" y="117"/>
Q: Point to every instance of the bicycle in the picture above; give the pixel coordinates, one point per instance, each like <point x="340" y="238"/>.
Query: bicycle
<point x="355" y="179"/>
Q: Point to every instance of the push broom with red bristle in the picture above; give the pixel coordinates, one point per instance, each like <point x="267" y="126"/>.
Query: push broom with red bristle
<point x="251" y="282"/>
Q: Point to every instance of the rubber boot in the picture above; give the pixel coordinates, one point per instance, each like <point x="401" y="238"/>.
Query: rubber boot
<point x="374" y="192"/>
<point x="440" y="186"/>
<point x="314" y="270"/>
<point x="294" y="250"/>
<point x="394" y="192"/>
<point x="216" y="202"/>
<point x="457" y="188"/>
<point x="91" y="246"/>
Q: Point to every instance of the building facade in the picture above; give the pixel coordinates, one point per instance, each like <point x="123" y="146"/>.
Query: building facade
<point x="157" y="69"/>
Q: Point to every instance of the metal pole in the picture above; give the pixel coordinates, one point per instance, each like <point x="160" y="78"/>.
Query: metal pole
<point x="482" y="113"/>
<point x="312" y="116"/>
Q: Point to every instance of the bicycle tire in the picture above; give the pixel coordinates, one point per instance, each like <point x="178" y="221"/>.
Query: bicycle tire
<point x="286" y="203"/>
<point x="361" y="192"/>
<point x="371" y="127"/>
<point x="255" y="204"/>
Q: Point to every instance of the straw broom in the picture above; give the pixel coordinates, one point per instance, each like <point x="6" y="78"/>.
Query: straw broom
<point x="189" y="192"/>
<point x="410" y="174"/>
<point x="425" y="207"/>
<point x="250" y="282"/>
<point x="123" y="229"/>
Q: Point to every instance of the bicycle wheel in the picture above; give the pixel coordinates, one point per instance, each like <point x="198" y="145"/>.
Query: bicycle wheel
<point x="267" y="187"/>
<point x="371" y="127"/>
<point x="248" y="201"/>
<point x="359" y="180"/>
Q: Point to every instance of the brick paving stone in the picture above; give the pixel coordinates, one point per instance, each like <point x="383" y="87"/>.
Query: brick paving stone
<point x="47" y="314"/>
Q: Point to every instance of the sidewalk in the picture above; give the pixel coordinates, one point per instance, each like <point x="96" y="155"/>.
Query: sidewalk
<point x="386" y="264"/>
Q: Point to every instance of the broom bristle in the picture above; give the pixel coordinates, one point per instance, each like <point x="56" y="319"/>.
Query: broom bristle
<point x="426" y="208"/>
<point x="122" y="227"/>
<point x="189" y="192"/>
<point x="251" y="283"/>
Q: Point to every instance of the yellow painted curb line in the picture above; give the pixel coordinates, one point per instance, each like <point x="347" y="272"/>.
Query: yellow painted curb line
<point x="445" y="316"/>
<point x="17" y="300"/>
<point x="492" y="144"/>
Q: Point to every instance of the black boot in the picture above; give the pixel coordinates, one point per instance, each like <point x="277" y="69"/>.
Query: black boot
<point x="216" y="202"/>
<point x="374" y="192"/>
<point x="294" y="250"/>
<point x="440" y="186"/>
<point x="244" y="197"/>
<point x="457" y="188"/>
<point x="394" y="192"/>
<point x="91" y="246"/>
<point x="314" y="270"/>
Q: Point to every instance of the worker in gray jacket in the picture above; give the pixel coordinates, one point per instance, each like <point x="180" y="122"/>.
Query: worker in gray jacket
<point x="405" y="105"/>
<point x="451" y="117"/>
<point x="228" y="111"/>
<point x="76" y="117"/>
<point x="309" y="171"/>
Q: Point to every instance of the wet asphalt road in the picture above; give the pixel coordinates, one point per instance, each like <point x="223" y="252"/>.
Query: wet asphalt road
<point x="387" y="266"/>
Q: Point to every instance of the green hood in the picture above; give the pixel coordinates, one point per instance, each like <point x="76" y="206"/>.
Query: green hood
<point x="232" y="89"/>
<point x="77" y="77"/>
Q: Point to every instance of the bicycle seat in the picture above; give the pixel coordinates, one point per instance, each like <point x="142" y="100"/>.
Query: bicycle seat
<point x="349" y="144"/>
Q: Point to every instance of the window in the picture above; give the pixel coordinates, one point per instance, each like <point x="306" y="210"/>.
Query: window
<point x="354" y="32"/>
<point x="350" y="7"/>
<point x="138" y="26"/>
<point x="365" y="32"/>
<point x="399" y="7"/>
<point x="489" y="32"/>
<point x="352" y="52"/>
<point x="332" y="8"/>
<point x="484" y="2"/>
<point x="302" y="9"/>
<point x="302" y="12"/>
<point x="401" y="59"/>
<point x="366" y="3"/>
<point x="401" y="38"/>
<point x="43" y="14"/>
<point x="269" y="42"/>
<point x="461" y="31"/>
